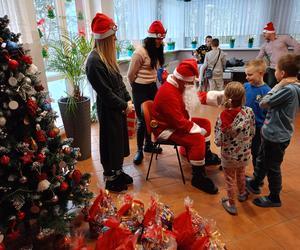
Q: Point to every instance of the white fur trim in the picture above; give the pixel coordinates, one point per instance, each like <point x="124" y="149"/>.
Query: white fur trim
<point x="207" y="138"/>
<point x="195" y="129"/>
<point x="183" y="78"/>
<point x="104" y="35"/>
<point x="268" y="31"/>
<point x="156" y="35"/>
<point x="166" y="134"/>
<point x="172" y="81"/>
<point x="198" y="163"/>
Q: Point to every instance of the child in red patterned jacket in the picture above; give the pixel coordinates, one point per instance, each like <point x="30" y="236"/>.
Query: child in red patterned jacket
<point x="234" y="130"/>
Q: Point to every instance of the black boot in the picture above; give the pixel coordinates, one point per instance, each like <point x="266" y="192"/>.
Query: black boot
<point x="138" y="158"/>
<point x="149" y="148"/>
<point x="127" y="179"/>
<point x="201" y="181"/>
<point x="115" y="183"/>
<point x="210" y="157"/>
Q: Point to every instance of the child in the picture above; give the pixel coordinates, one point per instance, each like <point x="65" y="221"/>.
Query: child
<point x="256" y="89"/>
<point x="282" y="103"/>
<point x="233" y="132"/>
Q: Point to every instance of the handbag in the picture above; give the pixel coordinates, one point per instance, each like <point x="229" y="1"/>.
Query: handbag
<point x="209" y="72"/>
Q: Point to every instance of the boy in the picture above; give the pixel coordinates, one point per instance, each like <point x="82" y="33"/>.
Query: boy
<point x="256" y="89"/>
<point x="282" y="103"/>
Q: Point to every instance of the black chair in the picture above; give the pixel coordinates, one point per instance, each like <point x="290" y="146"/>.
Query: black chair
<point x="147" y="113"/>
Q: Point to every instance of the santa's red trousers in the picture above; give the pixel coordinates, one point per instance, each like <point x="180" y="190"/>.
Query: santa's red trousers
<point x="194" y="144"/>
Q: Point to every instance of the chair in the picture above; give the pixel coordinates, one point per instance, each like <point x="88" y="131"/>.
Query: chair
<point x="147" y="113"/>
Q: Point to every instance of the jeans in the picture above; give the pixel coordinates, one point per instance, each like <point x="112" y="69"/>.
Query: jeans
<point x="270" y="78"/>
<point x="268" y="164"/>
<point x="256" y="141"/>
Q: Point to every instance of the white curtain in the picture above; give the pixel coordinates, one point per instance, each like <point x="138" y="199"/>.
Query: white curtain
<point x="133" y="18"/>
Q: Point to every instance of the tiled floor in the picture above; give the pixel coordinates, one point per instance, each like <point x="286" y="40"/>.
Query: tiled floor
<point x="252" y="228"/>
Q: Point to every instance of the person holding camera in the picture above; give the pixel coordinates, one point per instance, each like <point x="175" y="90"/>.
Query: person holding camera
<point x="212" y="69"/>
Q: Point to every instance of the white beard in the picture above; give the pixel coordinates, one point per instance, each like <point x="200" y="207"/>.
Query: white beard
<point x="190" y="99"/>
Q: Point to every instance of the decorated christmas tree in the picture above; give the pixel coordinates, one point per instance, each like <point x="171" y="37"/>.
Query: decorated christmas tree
<point x="39" y="185"/>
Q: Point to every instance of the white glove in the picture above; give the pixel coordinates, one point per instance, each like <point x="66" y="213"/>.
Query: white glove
<point x="215" y="97"/>
<point x="197" y="129"/>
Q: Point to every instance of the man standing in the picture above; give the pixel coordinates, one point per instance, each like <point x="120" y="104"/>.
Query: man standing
<point x="172" y="105"/>
<point x="275" y="47"/>
<point x="202" y="50"/>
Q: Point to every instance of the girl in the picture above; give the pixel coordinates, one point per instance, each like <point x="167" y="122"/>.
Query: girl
<point x="234" y="131"/>
<point x="113" y="103"/>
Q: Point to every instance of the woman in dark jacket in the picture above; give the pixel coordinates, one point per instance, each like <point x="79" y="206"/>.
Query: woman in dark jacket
<point x="113" y="103"/>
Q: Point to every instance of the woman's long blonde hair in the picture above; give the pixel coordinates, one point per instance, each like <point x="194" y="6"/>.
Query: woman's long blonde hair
<point x="106" y="48"/>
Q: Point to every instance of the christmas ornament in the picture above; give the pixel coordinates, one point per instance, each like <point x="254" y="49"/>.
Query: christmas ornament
<point x="20" y="77"/>
<point x="13" y="64"/>
<point x="33" y="144"/>
<point x="41" y="157"/>
<point x="54" y="199"/>
<point x="35" y="209"/>
<point x="12" y="81"/>
<point x="4" y="160"/>
<point x="26" y="120"/>
<point x="13" y="105"/>
<point x="40" y="136"/>
<point x="31" y="106"/>
<point x="43" y="185"/>
<point x="44" y="52"/>
<point x="32" y="70"/>
<point x="64" y="186"/>
<point x="27" y="158"/>
<point x="21" y="215"/>
<point x="26" y="80"/>
<point x="76" y="176"/>
<point x="26" y="59"/>
<point x="50" y="14"/>
<point x="2" y="121"/>
<point x="23" y="179"/>
<point x="67" y="150"/>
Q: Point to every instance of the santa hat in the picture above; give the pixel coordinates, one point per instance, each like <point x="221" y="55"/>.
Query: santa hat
<point x="102" y="26"/>
<point x="269" y="28"/>
<point x="187" y="70"/>
<point x="157" y="30"/>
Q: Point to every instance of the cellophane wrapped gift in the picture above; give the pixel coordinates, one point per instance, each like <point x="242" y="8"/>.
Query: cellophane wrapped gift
<point x="194" y="232"/>
<point x="102" y="208"/>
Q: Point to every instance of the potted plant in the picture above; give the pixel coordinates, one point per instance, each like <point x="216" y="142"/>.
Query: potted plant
<point x="194" y="43"/>
<point x="68" y="57"/>
<point x="171" y="45"/>
<point x="250" y="42"/>
<point x="231" y="42"/>
<point x="118" y="49"/>
<point x="130" y="49"/>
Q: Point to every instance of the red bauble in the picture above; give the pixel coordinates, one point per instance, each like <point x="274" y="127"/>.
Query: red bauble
<point x="21" y="215"/>
<point x="31" y="107"/>
<point x="4" y="160"/>
<point x="40" y="157"/>
<point x="13" y="64"/>
<point x="40" y="136"/>
<point x="64" y="186"/>
<point x="52" y="133"/>
<point x="27" y="158"/>
<point x="76" y="176"/>
<point x="26" y="59"/>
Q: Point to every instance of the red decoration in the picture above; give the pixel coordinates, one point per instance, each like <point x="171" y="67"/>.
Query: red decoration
<point x="13" y="64"/>
<point x="76" y="176"/>
<point x="2" y="247"/>
<point x="40" y="157"/>
<point x="41" y="21"/>
<point x="12" y="236"/>
<point x="31" y="107"/>
<point x="53" y="132"/>
<point x="42" y="176"/>
<point x="26" y="59"/>
<point x="4" y="160"/>
<point x="21" y="215"/>
<point x="27" y="158"/>
<point x="64" y="186"/>
<point x="40" y="136"/>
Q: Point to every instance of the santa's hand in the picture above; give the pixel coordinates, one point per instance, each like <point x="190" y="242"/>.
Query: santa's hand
<point x="215" y="97"/>
<point x="197" y="129"/>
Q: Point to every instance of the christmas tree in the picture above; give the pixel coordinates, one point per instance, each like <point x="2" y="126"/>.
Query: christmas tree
<point x="39" y="185"/>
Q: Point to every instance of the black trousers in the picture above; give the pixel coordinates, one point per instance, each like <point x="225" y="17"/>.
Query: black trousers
<point x="268" y="164"/>
<point x="256" y="141"/>
<point x="140" y="94"/>
<point x="270" y="78"/>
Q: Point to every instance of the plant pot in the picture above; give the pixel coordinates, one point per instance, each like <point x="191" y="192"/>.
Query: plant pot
<point x="250" y="45"/>
<point x="118" y="54"/>
<point x="129" y="52"/>
<point x="169" y="47"/>
<point x="194" y="45"/>
<point x="231" y="44"/>
<point x="77" y="124"/>
<point x="173" y="46"/>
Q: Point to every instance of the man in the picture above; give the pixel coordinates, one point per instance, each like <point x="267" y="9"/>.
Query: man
<point x="275" y="47"/>
<point x="172" y="121"/>
<point x="202" y="50"/>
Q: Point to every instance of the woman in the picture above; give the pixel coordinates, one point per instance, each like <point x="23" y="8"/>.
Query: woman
<point x="113" y="102"/>
<point x="142" y="75"/>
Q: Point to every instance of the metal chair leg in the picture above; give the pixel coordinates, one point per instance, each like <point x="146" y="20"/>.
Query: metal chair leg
<point x="148" y="172"/>
<point x="156" y="147"/>
<point x="183" y="179"/>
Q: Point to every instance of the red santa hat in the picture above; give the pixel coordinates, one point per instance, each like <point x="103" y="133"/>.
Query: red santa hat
<point x="157" y="30"/>
<point x="187" y="70"/>
<point x="269" y="28"/>
<point x="102" y="26"/>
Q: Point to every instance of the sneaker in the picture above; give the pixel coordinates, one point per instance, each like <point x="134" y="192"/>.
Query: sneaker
<point x="138" y="158"/>
<point x="231" y="209"/>
<point x="243" y="197"/>
<point x="116" y="185"/>
<point x="265" y="201"/>
<point x="150" y="148"/>
<point x="251" y="188"/>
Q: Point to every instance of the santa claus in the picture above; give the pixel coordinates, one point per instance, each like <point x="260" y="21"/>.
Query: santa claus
<point x="172" y="108"/>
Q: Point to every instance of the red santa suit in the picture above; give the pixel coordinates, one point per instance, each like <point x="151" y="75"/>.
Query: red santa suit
<point x="174" y="123"/>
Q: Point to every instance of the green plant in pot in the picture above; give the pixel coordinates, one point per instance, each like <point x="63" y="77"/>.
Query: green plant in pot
<point x="231" y="42"/>
<point x="130" y="49"/>
<point x="250" y="42"/>
<point x="118" y="49"/>
<point x="68" y="57"/>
